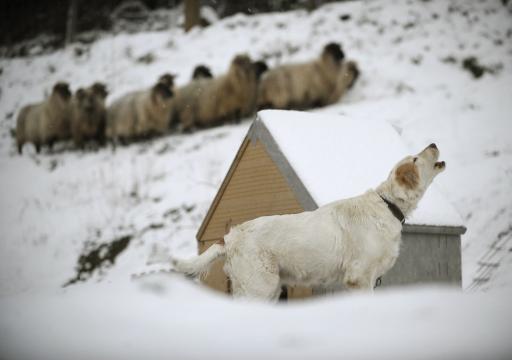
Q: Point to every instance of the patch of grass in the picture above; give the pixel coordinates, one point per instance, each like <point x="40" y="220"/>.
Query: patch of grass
<point x="472" y="65"/>
<point x="146" y="59"/>
<point x="98" y="258"/>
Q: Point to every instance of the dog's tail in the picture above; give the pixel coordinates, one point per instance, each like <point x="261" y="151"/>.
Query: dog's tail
<point x="199" y="265"/>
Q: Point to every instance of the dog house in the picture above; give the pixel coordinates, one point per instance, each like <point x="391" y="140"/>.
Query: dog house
<point x="293" y="161"/>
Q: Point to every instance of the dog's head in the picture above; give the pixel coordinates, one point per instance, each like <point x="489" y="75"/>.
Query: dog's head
<point x="411" y="176"/>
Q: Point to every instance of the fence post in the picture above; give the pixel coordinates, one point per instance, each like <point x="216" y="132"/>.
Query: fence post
<point x="71" y="22"/>
<point x="191" y="14"/>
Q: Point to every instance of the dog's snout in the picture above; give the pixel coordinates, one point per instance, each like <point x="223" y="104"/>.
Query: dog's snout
<point x="440" y="165"/>
<point x="433" y="146"/>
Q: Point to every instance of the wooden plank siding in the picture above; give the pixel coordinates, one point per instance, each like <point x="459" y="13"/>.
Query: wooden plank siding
<point x="256" y="188"/>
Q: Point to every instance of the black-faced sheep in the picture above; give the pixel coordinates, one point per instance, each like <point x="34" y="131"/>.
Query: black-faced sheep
<point x="304" y="85"/>
<point x="209" y="102"/>
<point x="88" y="114"/>
<point x="141" y="113"/>
<point x="46" y="122"/>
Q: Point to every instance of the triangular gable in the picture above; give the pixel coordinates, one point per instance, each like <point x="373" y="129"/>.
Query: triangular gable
<point x="222" y="188"/>
<point x="259" y="182"/>
<point x="260" y="132"/>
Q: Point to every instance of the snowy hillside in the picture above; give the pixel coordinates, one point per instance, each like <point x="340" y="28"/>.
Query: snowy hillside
<point x="151" y="197"/>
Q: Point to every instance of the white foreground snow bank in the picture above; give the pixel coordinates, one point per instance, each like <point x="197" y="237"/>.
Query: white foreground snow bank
<point x="166" y="317"/>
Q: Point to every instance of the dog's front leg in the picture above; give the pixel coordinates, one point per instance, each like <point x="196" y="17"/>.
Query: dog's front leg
<point x="359" y="285"/>
<point x="358" y="277"/>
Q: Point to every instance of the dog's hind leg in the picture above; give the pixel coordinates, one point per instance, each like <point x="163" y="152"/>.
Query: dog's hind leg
<point x="262" y="286"/>
<point x="254" y="278"/>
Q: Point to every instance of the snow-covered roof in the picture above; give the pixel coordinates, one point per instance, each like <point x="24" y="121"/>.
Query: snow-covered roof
<point x="336" y="157"/>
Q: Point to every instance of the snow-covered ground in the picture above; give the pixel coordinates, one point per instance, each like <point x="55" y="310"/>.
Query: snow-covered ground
<point x="167" y="317"/>
<point x="151" y="197"/>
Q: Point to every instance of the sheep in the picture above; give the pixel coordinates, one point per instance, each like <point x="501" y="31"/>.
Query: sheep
<point x="201" y="72"/>
<point x="27" y="127"/>
<point x="186" y="104"/>
<point x="208" y="102"/>
<point x="55" y="122"/>
<point x="303" y="85"/>
<point x="88" y="114"/>
<point x="141" y="113"/>
<point x="46" y="122"/>
<point x="121" y="119"/>
<point x="153" y="110"/>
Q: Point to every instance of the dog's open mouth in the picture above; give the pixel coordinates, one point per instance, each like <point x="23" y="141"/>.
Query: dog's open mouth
<point x="440" y="165"/>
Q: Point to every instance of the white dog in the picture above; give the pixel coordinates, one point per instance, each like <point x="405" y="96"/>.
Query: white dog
<point x="352" y="241"/>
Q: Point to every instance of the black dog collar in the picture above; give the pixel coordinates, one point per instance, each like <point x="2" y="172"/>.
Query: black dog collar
<point x="395" y="210"/>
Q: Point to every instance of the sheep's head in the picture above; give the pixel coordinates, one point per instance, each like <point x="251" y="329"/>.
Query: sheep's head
<point x="202" y="72"/>
<point x="61" y="89"/>
<point x="334" y="51"/>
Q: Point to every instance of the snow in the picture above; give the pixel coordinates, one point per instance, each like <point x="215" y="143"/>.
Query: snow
<point x="54" y="207"/>
<point x="165" y="316"/>
<point x="49" y="217"/>
<point x="338" y="157"/>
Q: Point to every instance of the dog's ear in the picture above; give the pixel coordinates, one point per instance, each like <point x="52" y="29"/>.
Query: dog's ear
<point x="407" y="176"/>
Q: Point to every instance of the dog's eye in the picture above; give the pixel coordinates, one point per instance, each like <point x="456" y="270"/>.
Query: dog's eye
<point x="414" y="160"/>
